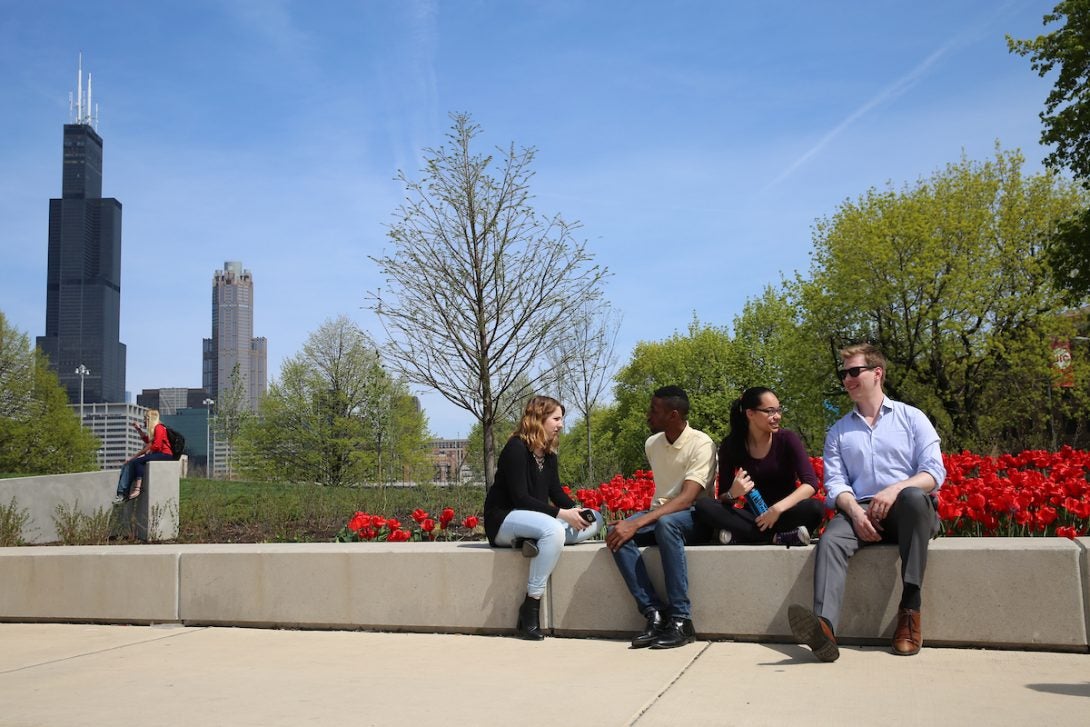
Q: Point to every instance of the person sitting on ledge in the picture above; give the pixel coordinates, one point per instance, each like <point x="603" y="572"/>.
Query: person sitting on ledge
<point x="758" y="453"/>
<point x="156" y="448"/>
<point x="682" y="461"/>
<point x="882" y="468"/>
<point x="526" y="508"/>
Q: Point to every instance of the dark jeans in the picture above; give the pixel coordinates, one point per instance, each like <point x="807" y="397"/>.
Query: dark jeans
<point x="134" y="470"/>
<point x="671" y="533"/>
<point x="741" y="522"/>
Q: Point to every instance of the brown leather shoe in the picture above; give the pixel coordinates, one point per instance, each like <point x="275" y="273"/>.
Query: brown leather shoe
<point x="810" y="629"/>
<point x="907" y="639"/>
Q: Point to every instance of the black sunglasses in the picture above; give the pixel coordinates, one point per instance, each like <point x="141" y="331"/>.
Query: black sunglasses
<point x="854" y="371"/>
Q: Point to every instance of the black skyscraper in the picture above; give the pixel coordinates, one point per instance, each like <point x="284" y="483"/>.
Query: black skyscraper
<point x="83" y="291"/>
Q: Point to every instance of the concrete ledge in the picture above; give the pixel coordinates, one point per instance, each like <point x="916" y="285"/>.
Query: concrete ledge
<point x="430" y="587"/>
<point x="154" y="515"/>
<point x="994" y="592"/>
<point x="998" y="592"/>
<point x="98" y="583"/>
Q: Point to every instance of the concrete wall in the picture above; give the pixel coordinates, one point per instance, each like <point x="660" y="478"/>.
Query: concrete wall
<point x="154" y="515"/>
<point x="995" y="592"/>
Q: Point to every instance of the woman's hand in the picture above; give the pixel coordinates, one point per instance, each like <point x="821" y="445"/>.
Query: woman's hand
<point x="741" y="485"/>
<point x="572" y="517"/>
<point x="769" y="517"/>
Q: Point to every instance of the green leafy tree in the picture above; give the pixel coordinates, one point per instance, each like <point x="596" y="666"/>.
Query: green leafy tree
<point x="701" y="361"/>
<point x="39" y="432"/>
<point x="404" y="449"/>
<point x="313" y="424"/>
<point x="1066" y="128"/>
<point x="575" y="463"/>
<point x="479" y="285"/>
<point x="948" y="276"/>
<point x="772" y="347"/>
<point x="232" y="415"/>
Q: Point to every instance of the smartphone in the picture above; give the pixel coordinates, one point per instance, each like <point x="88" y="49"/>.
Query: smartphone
<point x="587" y="514"/>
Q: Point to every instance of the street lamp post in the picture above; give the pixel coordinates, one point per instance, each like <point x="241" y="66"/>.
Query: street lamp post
<point x="83" y="372"/>
<point x="208" y="437"/>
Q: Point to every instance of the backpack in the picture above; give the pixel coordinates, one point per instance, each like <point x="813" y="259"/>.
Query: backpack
<point x="177" y="442"/>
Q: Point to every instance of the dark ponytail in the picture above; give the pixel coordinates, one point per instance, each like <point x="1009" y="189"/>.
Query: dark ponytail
<point x="735" y="441"/>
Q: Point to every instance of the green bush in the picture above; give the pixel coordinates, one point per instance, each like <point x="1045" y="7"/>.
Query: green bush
<point x="215" y="511"/>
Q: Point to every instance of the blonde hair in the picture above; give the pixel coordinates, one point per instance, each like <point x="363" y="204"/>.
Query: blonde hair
<point x="531" y="428"/>
<point x="870" y="353"/>
<point x="152" y="419"/>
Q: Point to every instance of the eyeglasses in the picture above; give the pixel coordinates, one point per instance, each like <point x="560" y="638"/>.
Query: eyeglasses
<point x="854" y="371"/>
<point x="771" y="411"/>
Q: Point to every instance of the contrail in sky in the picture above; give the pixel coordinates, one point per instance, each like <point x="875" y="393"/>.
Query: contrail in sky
<point x="890" y="92"/>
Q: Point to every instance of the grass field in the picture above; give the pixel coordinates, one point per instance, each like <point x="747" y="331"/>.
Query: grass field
<point x="216" y="511"/>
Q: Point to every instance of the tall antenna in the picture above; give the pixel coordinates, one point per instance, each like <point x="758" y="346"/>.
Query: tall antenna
<point x="83" y="109"/>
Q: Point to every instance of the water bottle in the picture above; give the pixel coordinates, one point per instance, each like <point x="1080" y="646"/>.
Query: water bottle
<point x="755" y="502"/>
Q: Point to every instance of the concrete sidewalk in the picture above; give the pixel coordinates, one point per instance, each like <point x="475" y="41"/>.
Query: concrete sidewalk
<point x="61" y="674"/>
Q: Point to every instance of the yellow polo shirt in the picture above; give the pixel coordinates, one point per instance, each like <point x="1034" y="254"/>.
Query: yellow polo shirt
<point x="690" y="457"/>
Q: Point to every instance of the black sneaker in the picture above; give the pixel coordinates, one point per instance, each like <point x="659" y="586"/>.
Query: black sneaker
<point x="654" y="629"/>
<point x="678" y="632"/>
<point x="797" y="537"/>
<point x="812" y="630"/>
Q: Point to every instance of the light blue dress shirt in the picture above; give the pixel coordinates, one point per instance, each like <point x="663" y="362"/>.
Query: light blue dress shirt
<point x="865" y="460"/>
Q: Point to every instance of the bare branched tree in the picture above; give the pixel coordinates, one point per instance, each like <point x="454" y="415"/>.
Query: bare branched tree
<point x="479" y="286"/>
<point x="584" y="362"/>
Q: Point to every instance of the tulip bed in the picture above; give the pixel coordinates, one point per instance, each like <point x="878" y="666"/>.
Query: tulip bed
<point x="1034" y="493"/>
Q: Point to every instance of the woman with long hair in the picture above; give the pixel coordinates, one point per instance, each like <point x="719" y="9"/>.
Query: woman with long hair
<point x="156" y="447"/>
<point x="527" y="508"/>
<point x="759" y="455"/>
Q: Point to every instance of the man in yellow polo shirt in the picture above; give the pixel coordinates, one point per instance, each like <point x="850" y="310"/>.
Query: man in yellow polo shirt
<point x="683" y="462"/>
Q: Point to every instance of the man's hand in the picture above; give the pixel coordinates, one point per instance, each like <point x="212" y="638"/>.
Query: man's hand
<point x="619" y="534"/>
<point x="864" y="527"/>
<point x="881" y="503"/>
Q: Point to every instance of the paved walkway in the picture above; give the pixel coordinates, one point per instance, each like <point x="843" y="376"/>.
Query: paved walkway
<point x="68" y="675"/>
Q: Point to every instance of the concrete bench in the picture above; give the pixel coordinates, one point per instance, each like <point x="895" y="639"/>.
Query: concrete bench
<point x="154" y="514"/>
<point x="997" y="592"/>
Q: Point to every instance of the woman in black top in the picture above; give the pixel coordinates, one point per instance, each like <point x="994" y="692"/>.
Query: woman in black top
<point x="527" y="508"/>
<point x="759" y="454"/>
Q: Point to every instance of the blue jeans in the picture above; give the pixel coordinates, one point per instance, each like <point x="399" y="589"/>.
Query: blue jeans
<point x="670" y="533"/>
<point x="134" y="470"/>
<point x="551" y="535"/>
<point x="124" y="480"/>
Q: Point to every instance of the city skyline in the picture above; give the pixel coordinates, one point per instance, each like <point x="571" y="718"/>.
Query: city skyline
<point x="272" y="132"/>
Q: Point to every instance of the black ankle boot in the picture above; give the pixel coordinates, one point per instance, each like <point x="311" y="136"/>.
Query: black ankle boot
<point x="529" y="625"/>
<point x="528" y="546"/>
<point x="655" y="626"/>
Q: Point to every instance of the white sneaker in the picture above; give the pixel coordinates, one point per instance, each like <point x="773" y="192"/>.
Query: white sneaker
<point x="724" y="537"/>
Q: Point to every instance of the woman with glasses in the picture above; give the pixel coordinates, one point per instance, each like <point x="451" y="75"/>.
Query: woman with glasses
<point x="758" y="455"/>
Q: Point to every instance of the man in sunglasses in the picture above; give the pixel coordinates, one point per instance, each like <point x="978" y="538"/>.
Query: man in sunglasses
<point x="882" y="466"/>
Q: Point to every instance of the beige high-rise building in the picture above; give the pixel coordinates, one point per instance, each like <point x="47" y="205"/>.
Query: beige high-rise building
<point x="233" y="340"/>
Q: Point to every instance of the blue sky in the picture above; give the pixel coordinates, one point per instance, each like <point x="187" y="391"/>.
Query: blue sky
<point x="696" y="142"/>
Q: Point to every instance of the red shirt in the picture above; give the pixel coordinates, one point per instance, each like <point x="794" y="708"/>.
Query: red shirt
<point x="160" y="442"/>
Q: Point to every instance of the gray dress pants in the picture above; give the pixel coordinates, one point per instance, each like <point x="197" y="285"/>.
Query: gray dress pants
<point x="911" y="523"/>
